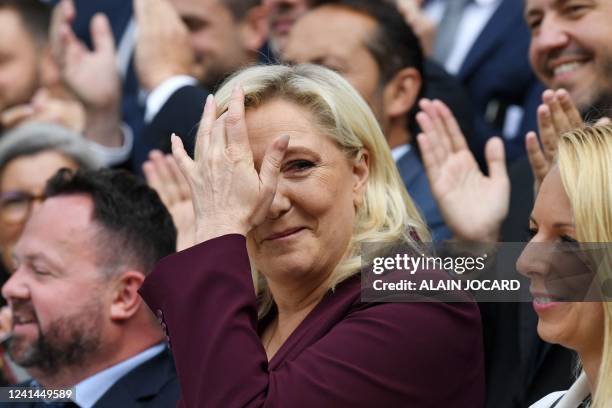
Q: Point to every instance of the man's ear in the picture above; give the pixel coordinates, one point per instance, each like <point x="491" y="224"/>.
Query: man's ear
<point x="253" y="28"/>
<point x="126" y="300"/>
<point x="361" y="173"/>
<point x="401" y="93"/>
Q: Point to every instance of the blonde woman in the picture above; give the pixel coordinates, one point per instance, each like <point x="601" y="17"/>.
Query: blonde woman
<point x="574" y="205"/>
<point x="292" y="174"/>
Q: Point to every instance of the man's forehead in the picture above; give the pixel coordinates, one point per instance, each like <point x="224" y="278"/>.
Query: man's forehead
<point x="542" y="5"/>
<point x="61" y="225"/>
<point x="66" y="215"/>
<point x="333" y="28"/>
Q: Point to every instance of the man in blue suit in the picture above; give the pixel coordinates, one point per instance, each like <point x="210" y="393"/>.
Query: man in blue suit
<point x="376" y="51"/>
<point x="485" y="43"/>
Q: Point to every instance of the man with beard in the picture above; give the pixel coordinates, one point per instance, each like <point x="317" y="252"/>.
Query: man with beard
<point x="78" y="320"/>
<point x="569" y="52"/>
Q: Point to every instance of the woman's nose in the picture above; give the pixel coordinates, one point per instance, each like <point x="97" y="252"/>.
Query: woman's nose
<point x="281" y="204"/>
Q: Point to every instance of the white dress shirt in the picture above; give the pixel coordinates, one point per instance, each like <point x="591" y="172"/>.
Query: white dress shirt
<point x="400" y="151"/>
<point x="571" y="398"/>
<point x="160" y="95"/>
<point x="475" y="18"/>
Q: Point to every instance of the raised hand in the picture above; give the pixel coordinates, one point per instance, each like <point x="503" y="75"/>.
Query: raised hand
<point x="91" y="75"/>
<point x="162" y="44"/>
<point x="422" y="26"/>
<point x="556" y="115"/>
<point x="229" y="196"/>
<point x="165" y="177"/>
<point x="472" y="204"/>
<point x="45" y="108"/>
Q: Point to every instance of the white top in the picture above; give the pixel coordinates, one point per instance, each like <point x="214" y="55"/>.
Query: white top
<point x="475" y="17"/>
<point x="160" y="95"/>
<point x="400" y="151"/>
<point x="572" y="398"/>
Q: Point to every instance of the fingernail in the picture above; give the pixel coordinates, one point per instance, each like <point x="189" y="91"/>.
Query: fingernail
<point x="209" y="99"/>
<point x="283" y="142"/>
<point x="237" y="87"/>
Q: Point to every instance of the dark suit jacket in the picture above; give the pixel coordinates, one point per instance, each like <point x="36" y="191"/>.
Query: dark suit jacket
<point x="344" y="354"/>
<point x="180" y="114"/>
<point x="153" y="384"/>
<point x="497" y="74"/>
<point x="414" y="177"/>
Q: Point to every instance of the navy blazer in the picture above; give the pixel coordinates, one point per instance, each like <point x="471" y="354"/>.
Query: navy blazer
<point x="497" y="74"/>
<point x="152" y="384"/>
<point x="345" y="353"/>
<point x="415" y="179"/>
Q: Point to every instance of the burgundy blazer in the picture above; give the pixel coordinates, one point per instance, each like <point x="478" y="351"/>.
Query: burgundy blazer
<point x="345" y="353"/>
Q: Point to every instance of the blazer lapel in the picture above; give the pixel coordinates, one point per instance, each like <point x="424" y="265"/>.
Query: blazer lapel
<point x="142" y="383"/>
<point x="503" y="20"/>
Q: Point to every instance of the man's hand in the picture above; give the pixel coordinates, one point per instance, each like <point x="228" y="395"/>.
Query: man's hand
<point x="163" y="49"/>
<point x="92" y="76"/>
<point x="422" y="26"/>
<point x="44" y="108"/>
<point x="472" y="204"/>
<point x="556" y="115"/>
<point x="165" y="177"/>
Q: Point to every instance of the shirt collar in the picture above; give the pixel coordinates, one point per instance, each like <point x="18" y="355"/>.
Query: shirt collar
<point x="399" y="151"/>
<point x="90" y="390"/>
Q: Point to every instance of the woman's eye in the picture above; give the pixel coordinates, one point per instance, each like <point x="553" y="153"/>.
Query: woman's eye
<point x="569" y="240"/>
<point x="299" y="165"/>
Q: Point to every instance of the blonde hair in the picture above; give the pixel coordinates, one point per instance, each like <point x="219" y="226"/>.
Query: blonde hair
<point x="387" y="213"/>
<point x="585" y="157"/>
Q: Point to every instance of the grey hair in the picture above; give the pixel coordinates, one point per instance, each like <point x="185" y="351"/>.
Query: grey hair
<point x="36" y="137"/>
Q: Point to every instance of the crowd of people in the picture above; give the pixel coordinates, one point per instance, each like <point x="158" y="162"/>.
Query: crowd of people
<point x="187" y="186"/>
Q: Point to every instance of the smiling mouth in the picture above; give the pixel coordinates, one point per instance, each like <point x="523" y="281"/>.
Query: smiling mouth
<point x="17" y="320"/>
<point x="284" y="234"/>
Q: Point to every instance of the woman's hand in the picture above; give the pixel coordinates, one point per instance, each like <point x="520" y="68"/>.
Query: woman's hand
<point x="165" y="177"/>
<point x="229" y="195"/>
<point x="472" y="204"/>
<point x="556" y="115"/>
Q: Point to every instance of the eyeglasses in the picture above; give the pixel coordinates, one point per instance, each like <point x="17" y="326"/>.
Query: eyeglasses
<point x="15" y="206"/>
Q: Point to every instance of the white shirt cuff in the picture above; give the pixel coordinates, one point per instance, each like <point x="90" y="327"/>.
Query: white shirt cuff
<point x="160" y="95"/>
<point x="110" y="156"/>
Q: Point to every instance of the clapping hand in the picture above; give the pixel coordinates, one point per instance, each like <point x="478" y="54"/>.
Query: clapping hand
<point x="45" y="108"/>
<point x="165" y="177"/>
<point x="556" y="115"/>
<point x="229" y="195"/>
<point x="472" y="204"/>
<point x="162" y="49"/>
<point x="91" y="75"/>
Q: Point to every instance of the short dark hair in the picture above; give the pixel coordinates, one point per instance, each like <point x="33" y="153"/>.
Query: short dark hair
<point x="394" y="45"/>
<point x="35" y="15"/>
<point x="136" y="228"/>
<point x="240" y="8"/>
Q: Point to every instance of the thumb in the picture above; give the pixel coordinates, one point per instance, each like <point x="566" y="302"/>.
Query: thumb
<point x="271" y="165"/>
<point x="101" y="34"/>
<point x="496" y="158"/>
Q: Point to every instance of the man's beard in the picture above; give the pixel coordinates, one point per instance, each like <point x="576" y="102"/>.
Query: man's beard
<point x="600" y="107"/>
<point x="600" y="104"/>
<point x="68" y="341"/>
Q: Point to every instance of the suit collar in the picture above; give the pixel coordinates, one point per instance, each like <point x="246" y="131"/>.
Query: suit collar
<point x="410" y="167"/>
<point x="503" y="20"/>
<point x="142" y="382"/>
